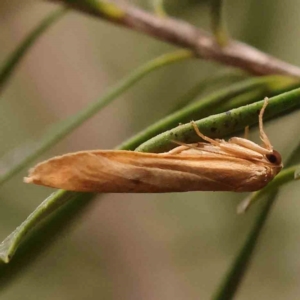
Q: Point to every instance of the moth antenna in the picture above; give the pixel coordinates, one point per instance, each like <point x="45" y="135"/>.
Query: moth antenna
<point x="202" y="136"/>
<point x="263" y="135"/>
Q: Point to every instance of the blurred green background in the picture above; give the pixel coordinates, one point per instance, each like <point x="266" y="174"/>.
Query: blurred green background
<point x="173" y="246"/>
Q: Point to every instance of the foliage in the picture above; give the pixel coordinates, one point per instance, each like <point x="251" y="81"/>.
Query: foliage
<point x="219" y="112"/>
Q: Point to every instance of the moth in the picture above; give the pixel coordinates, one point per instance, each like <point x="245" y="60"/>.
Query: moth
<point x="238" y="165"/>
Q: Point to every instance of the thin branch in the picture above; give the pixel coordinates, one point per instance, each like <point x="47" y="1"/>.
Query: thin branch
<point x="185" y="35"/>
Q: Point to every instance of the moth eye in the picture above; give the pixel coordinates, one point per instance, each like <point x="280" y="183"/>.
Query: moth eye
<point x="274" y="158"/>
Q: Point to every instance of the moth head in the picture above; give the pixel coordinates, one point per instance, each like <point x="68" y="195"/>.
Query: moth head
<point x="274" y="158"/>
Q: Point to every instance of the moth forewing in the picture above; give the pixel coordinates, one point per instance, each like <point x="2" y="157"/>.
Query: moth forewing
<point x="214" y="165"/>
<point x="126" y="171"/>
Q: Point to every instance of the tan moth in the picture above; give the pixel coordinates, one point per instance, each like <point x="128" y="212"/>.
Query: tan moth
<point x="238" y="165"/>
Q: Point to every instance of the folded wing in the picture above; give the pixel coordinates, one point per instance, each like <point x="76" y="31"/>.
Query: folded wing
<point x="134" y="172"/>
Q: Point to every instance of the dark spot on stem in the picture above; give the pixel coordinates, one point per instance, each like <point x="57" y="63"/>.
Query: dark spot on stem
<point x="213" y="129"/>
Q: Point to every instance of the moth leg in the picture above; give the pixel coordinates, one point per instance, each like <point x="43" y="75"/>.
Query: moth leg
<point x="178" y="149"/>
<point x="244" y="205"/>
<point x="202" y="136"/>
<point x="263" y="135"/>
<point x="182" y="147"/>
<point x="246" y="133"/>
<point x="249" y="145"/>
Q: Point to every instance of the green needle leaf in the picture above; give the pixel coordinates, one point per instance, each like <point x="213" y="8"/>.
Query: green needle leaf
<point x="240" y="264"/>
<point x="12" y="61"/>
<point x="65" y="127"/>
<point x="236" y="273"/>
<point x="223" y="124"/>
<point x="215" y="102"/>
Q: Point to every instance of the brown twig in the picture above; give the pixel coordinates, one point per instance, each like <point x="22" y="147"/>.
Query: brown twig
<point x="185" y="35"/>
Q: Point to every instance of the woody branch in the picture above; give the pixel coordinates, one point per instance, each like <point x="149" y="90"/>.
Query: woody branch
<point x="183" y="34"/>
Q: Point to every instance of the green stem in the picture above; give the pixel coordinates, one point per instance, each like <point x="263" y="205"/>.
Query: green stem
<point x="239" y="266"/>
<point x="223" y="124"/>
<point x="52" y="203"/>
<point x="201" y="108"/>
<point x="237" y="271"/>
